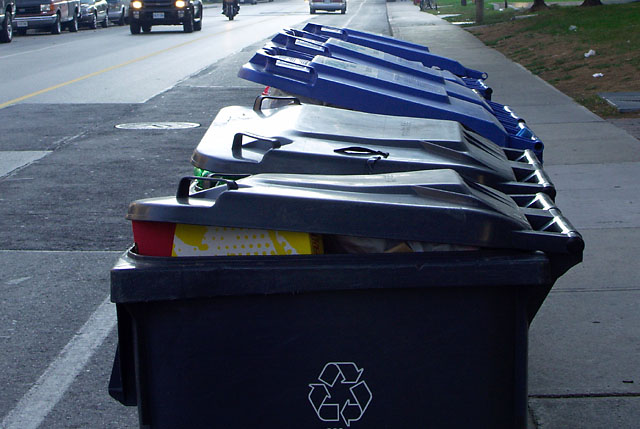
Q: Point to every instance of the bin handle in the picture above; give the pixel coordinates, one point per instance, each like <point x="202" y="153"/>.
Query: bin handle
<point x="257" y="104"/>
<point x="183" y="187"/>
<point x="360" y="151"/>
<point x="552" y="231"/>
<point x="533" y="172"/>
<point x="236" y="146"/>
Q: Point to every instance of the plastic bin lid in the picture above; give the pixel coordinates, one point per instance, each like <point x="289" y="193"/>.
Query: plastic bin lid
<point x="359" y="87"/>
<point x="364" y="36"/>
<point x="323" y="140"/>
<point x="435" y="206"/>
<point x="302" y="50"/>
<point x="400" y="48"/>
<point x="348" y="51"/>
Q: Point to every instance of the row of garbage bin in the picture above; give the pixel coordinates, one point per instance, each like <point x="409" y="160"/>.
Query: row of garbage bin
<point x="366" y="249"/>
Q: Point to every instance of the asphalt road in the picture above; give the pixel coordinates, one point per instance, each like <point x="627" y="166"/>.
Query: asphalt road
<point x="67" y="175"/>
<point x="112" y="66"/>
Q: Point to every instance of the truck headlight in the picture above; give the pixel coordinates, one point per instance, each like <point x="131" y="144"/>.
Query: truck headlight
<point x="136" y="4"/>
<point x="180" y="4"/>
<point x="45" y="7"/>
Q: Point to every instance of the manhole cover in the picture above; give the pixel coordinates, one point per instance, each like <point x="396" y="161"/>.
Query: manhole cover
<point x="157" y="126"/>
<point x="623" y="101"/>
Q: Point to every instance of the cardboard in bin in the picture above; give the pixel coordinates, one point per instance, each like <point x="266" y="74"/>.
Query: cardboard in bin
<point x="397" y="47"/>
<point x="322" y="140"/>
<point x="358" y="87"/>
<point x="180" y="240"/>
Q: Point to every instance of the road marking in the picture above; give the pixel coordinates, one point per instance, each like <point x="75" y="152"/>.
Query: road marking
<point x="353" y="15"/>
<point x="36" y="404"/>
<point x="12" y="159"/>
<point x="126" y="63"/>
<point x="157" y="126"/>
<point x="34" y="50"/>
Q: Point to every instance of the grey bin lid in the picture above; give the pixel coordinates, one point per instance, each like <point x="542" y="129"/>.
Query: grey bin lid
<point x="435" y="206"/>
<point x="315" y="139"/>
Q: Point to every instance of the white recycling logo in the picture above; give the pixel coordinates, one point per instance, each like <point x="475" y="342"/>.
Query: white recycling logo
<point x="345" y="376"/>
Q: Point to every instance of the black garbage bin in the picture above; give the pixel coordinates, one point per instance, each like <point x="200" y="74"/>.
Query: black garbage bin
<point x="371" y="340"/>
<point x="314" y="139"/>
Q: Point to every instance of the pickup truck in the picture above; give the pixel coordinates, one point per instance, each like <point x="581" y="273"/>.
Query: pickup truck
<point x="7" y="10"/>
<point x="143" y="14"/>
<point x="50" y="15"/>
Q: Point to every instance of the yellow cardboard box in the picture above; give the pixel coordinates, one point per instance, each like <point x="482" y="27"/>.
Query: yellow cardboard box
<point x="202" y="240"/>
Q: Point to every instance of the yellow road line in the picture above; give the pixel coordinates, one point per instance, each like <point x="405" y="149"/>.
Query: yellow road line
<point x="108" y="69"/>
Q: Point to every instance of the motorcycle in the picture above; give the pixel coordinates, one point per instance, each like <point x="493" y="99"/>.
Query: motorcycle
<point x="230" y="8"/>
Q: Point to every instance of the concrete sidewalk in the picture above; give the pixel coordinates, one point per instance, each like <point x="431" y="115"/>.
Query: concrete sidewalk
<point x="584" y="344"/>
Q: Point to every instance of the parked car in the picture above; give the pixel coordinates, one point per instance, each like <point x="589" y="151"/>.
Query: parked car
<point x="118" y="11"/>
<point x="143" y="14"/>
<point x="330" y="5"/>
<point x="49" y="15"/>
<point x="7" y="9"/>
<point x="93" y="12"/>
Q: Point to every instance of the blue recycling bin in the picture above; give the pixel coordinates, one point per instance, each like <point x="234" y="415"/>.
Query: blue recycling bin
<point x="303" y="45"/>
<point x="347" y="45"/>
<point x="349" y="49"/>
<point x="287" y="45"/>
<point x="360" y="87"/>
<point x="400" y="48"/>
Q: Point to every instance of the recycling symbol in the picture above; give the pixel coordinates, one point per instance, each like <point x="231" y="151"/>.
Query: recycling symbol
<point x="340" y="394"/>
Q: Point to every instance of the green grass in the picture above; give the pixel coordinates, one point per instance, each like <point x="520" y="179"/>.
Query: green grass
<point x="468" y="12"/>
<point x="536" y="67"/>
<point x="617" y="24"/>
<point x="595" y="103"/>
<point x="521" y="51"/>
<point x="634" y="61"/>
<point x="552" y="44"/>
<point x="495" y="42"/>
<point x="571" y="67"/>
<point x="560" y="79"/>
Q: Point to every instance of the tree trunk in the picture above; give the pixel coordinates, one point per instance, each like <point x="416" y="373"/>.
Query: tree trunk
<point x="479" y="11"/>
<point x="539" y="5"/>
<point x="591" y="3"/>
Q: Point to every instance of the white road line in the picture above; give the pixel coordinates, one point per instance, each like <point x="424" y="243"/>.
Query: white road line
<point x="12" y="159"/>
<point x="54" y="382"/>
<point x="353" y="15"/>
<point x="35" y="50"/>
